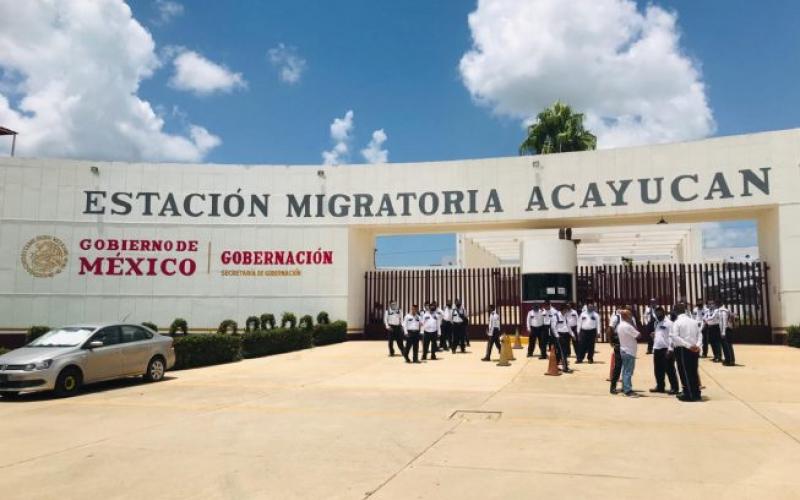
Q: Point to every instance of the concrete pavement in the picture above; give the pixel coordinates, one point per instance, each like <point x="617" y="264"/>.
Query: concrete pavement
<point x="346" y="421"/>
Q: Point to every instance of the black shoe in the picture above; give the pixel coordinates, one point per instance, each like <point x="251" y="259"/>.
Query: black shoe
<point x="567" y="370"/>
<point x="673" y="392"/>
<point x="434" y="358"/>
<point x="580" y="361"/>
<point x="649" y="352"/>
<point x="686" y="399"/>
<point x="656" y="389"/>
<point x="485" y="359"/>
<point x="463" y="351"/>
<point x="416" y="361"/>
<point x="591" y="361"/>
<point x="530" y="355"/>
<point x="728" y="363"/>
<point x="391" y="354"/>
<point x="424" y="358"/>
<point x="408" y="360"/>
<point x="704" y="356"/>
<point x="631" y="394"/>
<point x="613" y="391"/>
<point x="542" y="357"/>
<point x="715" y="360"/>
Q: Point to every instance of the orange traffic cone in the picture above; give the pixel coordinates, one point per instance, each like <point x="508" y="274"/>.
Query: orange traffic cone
<point x="517" y="340"/>
<point x="552" y="364"/>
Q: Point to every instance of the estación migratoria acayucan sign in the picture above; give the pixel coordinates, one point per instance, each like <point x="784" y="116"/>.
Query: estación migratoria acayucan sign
<point x="84" y="240"/>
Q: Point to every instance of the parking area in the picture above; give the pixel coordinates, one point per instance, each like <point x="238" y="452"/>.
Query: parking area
<point x="346" y="421"/>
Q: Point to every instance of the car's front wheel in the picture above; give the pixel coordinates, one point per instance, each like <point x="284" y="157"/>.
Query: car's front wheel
<point x="155" y="369"/>
<point x="68" y="383"/>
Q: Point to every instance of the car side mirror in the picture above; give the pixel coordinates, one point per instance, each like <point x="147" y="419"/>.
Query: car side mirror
<point x="94" y="344"/>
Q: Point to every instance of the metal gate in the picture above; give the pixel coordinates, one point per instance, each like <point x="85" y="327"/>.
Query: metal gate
<point x="476" y="287"/>
<point x="740" y="286"/>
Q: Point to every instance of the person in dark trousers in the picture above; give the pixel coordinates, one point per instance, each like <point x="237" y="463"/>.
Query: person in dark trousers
<point x="430" y="331"/>
<point x="588" y="322"/>
<point x="663" y="354"/>
<point x="547" y="331"/>
<point x="613" y="339"/>
<point x="650" y="323"/>
<point x="392" y="319"/>
<point x="459" y="318"/>
<point x="699" y="315"/>
<point x="572" y="321"/>
<point x="534" y="322"/>
<point x="411" y="325"/>
<point x="447" y="325"/>
<point x="712" y="320"/>
<point x="687" y="341"/>
<point x="725" y="329"/>
<point x="493" y="332"/>
<point x="561" y="335"/>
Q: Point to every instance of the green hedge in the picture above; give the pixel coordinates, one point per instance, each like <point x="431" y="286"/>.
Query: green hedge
<point x="203" y="350"/>
<point x="35" y="332"/>
<point x="276" y="341"/>
<point x="793" y="335"/>
<point x="150" y="325"/>
<point x="330" y="333"/>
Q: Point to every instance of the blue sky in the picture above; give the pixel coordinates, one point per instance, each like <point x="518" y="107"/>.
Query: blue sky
<point x="396" y="65"/>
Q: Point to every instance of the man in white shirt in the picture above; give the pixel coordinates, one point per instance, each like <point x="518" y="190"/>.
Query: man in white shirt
<point x="572" y="321"/>
<point x="588" y="322"/>
<point x="534" y="322"/>
<point x="447" y="330"/>
<point x="561" y="335"/>
<point x="725" y="328"/>
<point x="430" y="331"/>
<point x="650" y="323"/>
<point x="392" y="318"/>
<point x="687" y="342"/>
<point x="459" y="318"/>
<point x="493" y="332"/>
<point x="699" y="314"/>
<point x="628" y="335"/>
<point x="712" y="320"/>
<point x="411" y="325"/>
<point x="663" y="355"/>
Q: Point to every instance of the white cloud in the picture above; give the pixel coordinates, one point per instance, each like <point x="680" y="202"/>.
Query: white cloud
<point x="737" y="234"/>
<point x="167" y="11"/>
<point x="288" y="62"/>
<point x="72" y="72"/>
<point x="194" y="73"/>
<point x="374" y="153"/>
<point x="624" y="68"/>
<point x="341" y="129"/>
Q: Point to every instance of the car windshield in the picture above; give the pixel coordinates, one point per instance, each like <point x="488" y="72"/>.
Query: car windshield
<point x="70" y="336"/>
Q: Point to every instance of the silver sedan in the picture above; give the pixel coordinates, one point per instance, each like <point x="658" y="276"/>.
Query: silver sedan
<point x="64" y="359"/>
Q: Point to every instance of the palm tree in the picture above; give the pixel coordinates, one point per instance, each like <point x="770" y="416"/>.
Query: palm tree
<point x="557" y="130"/>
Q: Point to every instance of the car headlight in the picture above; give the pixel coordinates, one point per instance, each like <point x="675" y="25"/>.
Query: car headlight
<point x="41" y="365"/>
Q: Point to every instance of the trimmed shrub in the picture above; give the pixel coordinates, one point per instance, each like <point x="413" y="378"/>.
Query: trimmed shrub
<point x="267" y="321"/>
<point x="288" y="320"/>
<point x="203" y="350"/>
<point x="322" y="318"/>
<point x="35" y="332"/>
<point x="228" y="326"/>
<point x="179" y="325"/>
<point x="252" y="324"/>
<point x="151" y="326"/>
<point x="306" y="322"/>
<point x="3" y="350"/>
<point x="331" y="333"/>
<point x="279" y="340"/>
<point x="793" y="335"/>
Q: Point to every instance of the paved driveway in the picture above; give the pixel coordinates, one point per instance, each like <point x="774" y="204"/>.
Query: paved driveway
<point x="346" y="421"/>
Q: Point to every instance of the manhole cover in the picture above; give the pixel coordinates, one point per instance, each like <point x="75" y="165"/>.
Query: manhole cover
<point x="471" y="415"/>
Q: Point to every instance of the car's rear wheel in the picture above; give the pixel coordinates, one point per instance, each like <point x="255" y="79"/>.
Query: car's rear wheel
<point x="155" y="369"/>
<point x="69" y="382"/>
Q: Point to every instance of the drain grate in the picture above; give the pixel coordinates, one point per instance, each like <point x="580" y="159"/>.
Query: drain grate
<point x="475" y="415"/>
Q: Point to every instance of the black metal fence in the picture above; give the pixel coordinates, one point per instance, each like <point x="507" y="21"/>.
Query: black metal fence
<point x="740" y="286"/>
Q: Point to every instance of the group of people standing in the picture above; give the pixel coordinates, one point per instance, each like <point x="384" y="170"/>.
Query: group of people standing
<point x="676" y="339"/>
<point x="439" y="329"/>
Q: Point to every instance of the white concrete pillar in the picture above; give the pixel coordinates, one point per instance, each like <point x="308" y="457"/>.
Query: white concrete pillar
<point x="360" y="259"/>
<point x="779" y="246"/>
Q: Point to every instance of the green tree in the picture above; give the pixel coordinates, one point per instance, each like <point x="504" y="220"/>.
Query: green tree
<point x="557" y="130"/>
